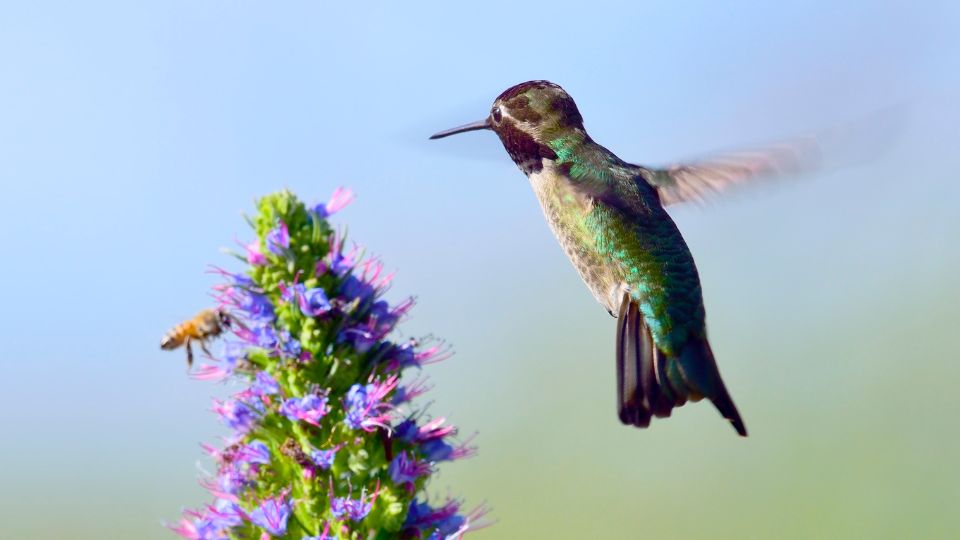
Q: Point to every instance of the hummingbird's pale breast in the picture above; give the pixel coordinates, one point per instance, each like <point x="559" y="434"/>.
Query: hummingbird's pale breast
<point x="566" y="211"/>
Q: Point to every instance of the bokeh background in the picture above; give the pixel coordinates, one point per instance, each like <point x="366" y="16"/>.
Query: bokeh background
<point x="134" y="134"/>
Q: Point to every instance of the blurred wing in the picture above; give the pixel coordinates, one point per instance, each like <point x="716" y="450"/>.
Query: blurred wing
<point x="698" y="181"/>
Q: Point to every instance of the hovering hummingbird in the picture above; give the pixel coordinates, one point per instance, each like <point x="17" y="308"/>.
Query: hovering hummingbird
<point x="609" y="217"/>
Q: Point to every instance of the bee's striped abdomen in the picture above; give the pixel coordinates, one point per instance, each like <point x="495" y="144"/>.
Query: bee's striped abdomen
<point x="175" y="338"/>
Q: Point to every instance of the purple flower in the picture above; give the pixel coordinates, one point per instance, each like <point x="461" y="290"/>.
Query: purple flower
<point x="354" y="288"/>
<point x="440" y="450"/>
<point x="365" y="406"/>
<point x="379" y="322"/>
<point x="340" y="264"/>
<point x="241" y="280"/>
<point x="264" y="336"/>
<point x="384" y="319"/>
<point x="310" y="408"/>
<point x="278" y="239"/>
<point x="409" y="431"/>
<point x="430" y="438"/>
<point x="229" y="481"/>
<point x="272" y="515"/>
<point x="338" y="506"/>
<point x="359" y="337"/>
<point x="289" y="345"/>
<point x="406" y="430"/>
<point x="292" y="293"/>
<point x="437" y="450"/>
<point x="324" y="458"/>
<point x="232" y="352"/>
<point x="355" y="509"/>
<point x="256" y="306"/>
<point x="314" y="302"/>
<point x="226" y="514"/>
<point x="235" y="414"/>
<point x="380" y="310"/>
<point x="254" y="452"/>
<point x="404" y="355"/>
<point x="403" y="469"/>
<point x="199" y="529"/>
<point x="450" y="527"/>
<point x="356" y="405"/>
<point x="264" y="385"/>
<point x="443" y="522"/>
<point x="410" y="391"/>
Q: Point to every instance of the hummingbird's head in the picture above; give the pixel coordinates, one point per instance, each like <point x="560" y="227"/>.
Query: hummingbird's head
<point x="527" y="117"/>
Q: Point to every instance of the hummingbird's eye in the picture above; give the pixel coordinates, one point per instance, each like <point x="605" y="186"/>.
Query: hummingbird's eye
<point x="496" y="114"/>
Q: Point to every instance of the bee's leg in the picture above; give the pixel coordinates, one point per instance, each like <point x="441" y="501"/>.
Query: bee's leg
<point x="189" y="353"/>
<point x="203" y="345"/>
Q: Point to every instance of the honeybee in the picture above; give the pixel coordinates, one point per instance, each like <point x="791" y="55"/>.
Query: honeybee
<point x="206" y="325"/>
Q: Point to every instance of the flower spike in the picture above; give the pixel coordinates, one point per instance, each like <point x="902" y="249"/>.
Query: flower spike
<point x="325" y="441"/>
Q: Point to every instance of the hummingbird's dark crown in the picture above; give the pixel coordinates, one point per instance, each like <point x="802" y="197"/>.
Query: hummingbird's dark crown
<point x="527" y="116"/>
<point x="540" y="104"/>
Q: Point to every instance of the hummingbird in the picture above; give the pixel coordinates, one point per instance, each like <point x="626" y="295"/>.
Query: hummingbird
<point x="609" y="217"/>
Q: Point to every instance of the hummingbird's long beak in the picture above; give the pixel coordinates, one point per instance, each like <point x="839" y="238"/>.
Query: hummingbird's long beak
<point x="473" y="126"/>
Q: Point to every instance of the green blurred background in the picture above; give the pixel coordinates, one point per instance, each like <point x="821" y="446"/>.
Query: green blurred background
<point x="132" y="136"/>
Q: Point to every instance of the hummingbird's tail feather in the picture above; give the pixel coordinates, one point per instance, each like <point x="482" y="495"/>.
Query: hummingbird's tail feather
<point x="640" y="392"/>
<point x="630" y="403"/>
<point x="702" y="377"/>
<point x="651" y="383"/>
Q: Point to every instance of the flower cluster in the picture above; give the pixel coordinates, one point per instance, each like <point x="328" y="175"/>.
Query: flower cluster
<point x="325" y="443"/>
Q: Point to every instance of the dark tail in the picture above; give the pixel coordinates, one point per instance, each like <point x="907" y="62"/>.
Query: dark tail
<point x="650" y="383"/>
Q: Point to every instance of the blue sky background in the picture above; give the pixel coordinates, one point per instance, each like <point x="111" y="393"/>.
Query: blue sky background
<point x="134" y="134"/>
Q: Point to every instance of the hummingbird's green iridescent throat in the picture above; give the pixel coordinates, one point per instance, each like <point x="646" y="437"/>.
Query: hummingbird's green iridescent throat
<point x="609" y="218"/>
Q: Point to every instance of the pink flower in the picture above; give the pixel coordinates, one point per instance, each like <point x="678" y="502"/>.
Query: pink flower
<point x="254" y="255"/>
<point x="341" y="198"/>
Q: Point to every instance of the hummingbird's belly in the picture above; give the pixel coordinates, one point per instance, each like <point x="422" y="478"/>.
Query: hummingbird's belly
<point x="565" y="211"/>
